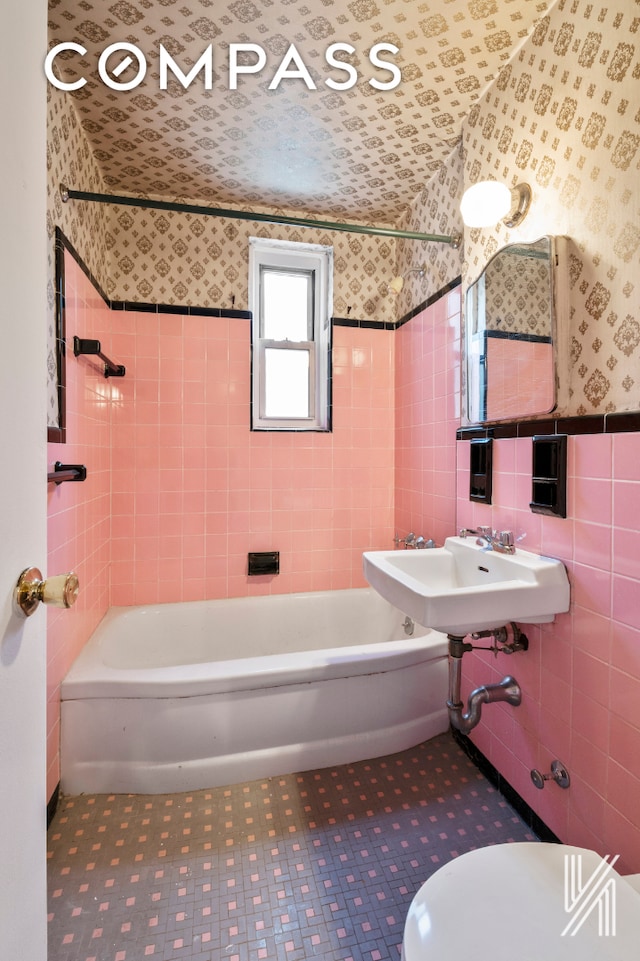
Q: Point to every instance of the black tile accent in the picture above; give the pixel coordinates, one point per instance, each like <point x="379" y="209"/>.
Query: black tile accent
<point x="589" y="424"/>
<point x="492" y="774"/>
<point x="345" y="321"/>
<point x="166" y="309"/>
<point x="232" y="314"/>
<point x="549" y="475"/>
<point x="57" y="434"/>
<point x="263" y="562"/>
<point x="481" y="470"/>
<point x="144" y="306"/>
<point x="503" y="430"/>
<point x="529" y="428"/>
<point x="377" y="325"/>
<point x="195" y="311"/>
<point x="179" y="309"/>
<point x="627" y="421"/>
<point x="429" y="301"/>
<point x="52" y="806"/>
<point x="469" y="433"/>
<point x="66" y="243"/>
<point x="355" y="322"/>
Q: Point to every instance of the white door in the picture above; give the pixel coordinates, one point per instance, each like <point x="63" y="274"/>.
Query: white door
<point x="22" y="482"/>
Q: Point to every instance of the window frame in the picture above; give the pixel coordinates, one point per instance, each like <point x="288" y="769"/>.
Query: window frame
<point x="317" y="260"/>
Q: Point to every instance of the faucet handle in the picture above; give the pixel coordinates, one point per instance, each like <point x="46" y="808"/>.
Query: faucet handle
<point x="505" y="538"/>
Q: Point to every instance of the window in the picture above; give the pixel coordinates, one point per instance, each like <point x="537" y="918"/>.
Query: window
<point x="290" y="293"/>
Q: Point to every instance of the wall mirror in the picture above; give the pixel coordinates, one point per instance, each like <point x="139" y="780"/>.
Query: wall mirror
<point x="511" y="334"/>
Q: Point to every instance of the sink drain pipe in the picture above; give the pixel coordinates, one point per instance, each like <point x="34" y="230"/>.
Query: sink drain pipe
<point x="507" y="690"/>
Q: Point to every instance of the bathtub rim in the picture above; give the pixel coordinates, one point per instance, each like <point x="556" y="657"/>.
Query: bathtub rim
<point x="90" y="677"/>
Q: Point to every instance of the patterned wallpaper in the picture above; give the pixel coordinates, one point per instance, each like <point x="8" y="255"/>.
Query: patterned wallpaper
<point x="69" y="160"/>
<point x="175" y="258"/>
<point x="357" y="152"/>
<point x="435" y="210"/>
<point x="169" y="258"/>
<point x="563" y="116"/>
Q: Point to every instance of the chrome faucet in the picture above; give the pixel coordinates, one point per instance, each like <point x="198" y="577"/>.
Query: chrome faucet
<point x="418" y="543"/>
<point x="499" y="541"/>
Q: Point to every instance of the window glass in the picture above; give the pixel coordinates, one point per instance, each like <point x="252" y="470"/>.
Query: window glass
<point x="287" y="305"/>
<point x="286" y="389"/>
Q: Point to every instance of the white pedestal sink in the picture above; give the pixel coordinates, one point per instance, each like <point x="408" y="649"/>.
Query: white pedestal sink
<point x="462" y="587"/>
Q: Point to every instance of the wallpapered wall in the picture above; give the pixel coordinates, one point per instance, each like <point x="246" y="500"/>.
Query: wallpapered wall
<point x="70" y="161"/>
<point x="436" y="210"/>
<point x="169" y="258"/>
<point x="563" y="116"/>
<point x="175" y="258"/>
<point x="172" y="258"/>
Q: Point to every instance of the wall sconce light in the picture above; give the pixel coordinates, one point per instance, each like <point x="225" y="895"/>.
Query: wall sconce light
<point x="395" y="286"/>
<point x="486" y="203"/>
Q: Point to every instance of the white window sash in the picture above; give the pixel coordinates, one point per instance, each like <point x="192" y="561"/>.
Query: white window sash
<point x="290" y="257"/>
<point x="305" y="345"/>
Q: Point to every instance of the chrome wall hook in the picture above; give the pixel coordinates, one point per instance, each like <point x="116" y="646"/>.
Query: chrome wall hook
<point x="558" y="773"/>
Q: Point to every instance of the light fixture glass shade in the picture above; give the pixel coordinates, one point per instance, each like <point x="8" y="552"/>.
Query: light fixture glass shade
<point x="395" y="285"/>
<point x="485" y="203"/>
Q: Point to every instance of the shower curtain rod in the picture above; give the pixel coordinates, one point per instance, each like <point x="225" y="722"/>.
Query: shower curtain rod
<point x="68" y="194"/>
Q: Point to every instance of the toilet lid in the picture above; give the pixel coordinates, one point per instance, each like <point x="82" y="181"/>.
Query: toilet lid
<point x="508" y="901"/>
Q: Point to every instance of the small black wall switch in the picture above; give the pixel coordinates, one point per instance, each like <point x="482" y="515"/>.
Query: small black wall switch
<point x="264" y="562"/>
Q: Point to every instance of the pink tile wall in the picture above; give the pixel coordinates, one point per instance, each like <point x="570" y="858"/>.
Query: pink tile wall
<point x="427" y="402"/>
<point x="193" y="489"/>
<point x="581" y="675"/>
<point x="79" y="513"/>
<point x="179" y="489"/>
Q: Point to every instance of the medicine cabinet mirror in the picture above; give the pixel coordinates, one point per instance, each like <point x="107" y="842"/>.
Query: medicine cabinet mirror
<point x="511" y="324"/>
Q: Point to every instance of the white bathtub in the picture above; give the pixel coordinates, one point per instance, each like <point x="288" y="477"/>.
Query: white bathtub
<point x="181" y="696"/>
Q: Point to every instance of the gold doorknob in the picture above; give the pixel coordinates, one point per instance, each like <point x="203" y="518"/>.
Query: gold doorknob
<point x="59" y="591"/>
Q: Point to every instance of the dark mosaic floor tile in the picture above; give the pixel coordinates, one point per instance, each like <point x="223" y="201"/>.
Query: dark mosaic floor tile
<point x="317" y="865"/>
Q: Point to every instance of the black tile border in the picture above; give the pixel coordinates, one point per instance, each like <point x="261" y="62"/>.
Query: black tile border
<point x="63" y="241"/>
<point x="626" y="421"/>
<point x="429" y="301"/>
<point x="395" y="324"/>
<point x="57" y="434"/>
<point x="52" y="805"/>
<point x="492" y="774"/>
<point x="145" y="306"/>
<point x="590" y="424"/>
<point x="232" y="313"/>
<point x="370" y="324"/>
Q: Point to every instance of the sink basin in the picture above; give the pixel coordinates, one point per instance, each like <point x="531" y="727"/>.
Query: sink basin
<point x="462" y="587"/>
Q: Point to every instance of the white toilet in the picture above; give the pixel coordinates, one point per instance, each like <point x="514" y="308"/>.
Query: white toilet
<point x="508" y="901"/>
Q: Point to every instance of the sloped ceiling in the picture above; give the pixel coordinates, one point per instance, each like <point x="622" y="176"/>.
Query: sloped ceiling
<point x="357" y="153"/>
